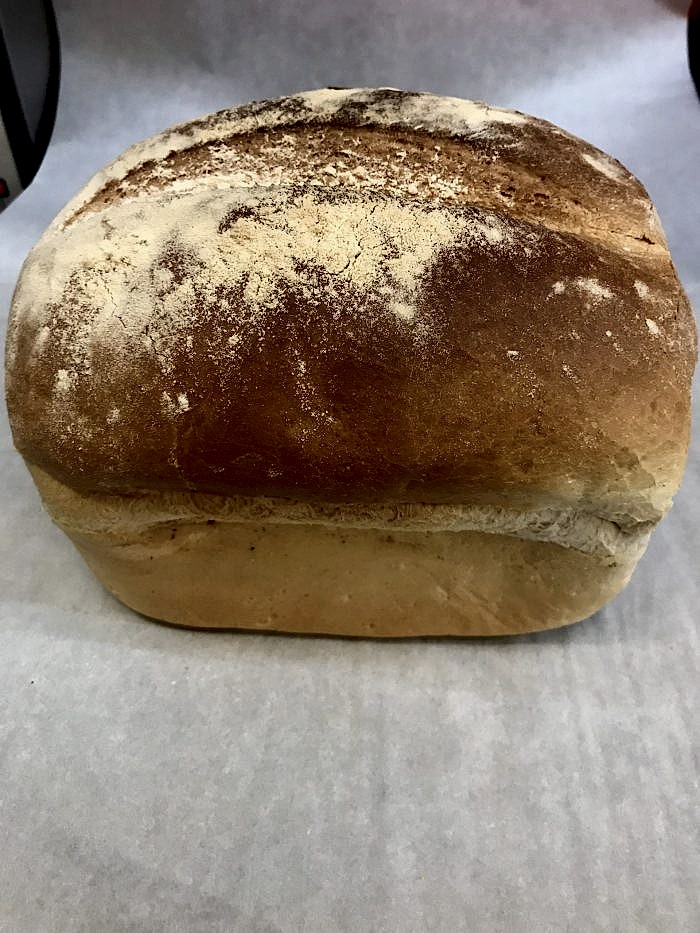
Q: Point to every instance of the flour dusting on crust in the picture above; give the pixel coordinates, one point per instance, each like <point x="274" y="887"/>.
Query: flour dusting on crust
<point x="194" y="247"/>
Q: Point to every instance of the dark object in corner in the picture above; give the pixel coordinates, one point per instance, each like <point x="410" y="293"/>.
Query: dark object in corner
<point x="29" y="81"/>
<point x="694" y="42"/>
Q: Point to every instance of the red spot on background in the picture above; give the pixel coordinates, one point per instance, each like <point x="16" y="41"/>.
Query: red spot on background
<point x="4" y="190"/>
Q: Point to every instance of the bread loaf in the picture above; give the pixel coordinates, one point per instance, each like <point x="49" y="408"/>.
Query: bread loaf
<point x="360" y="362"/>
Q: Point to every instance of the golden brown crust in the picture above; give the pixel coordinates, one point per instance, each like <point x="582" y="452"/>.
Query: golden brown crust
<point x="365" y="584"/>
<point x="324" y="339"/>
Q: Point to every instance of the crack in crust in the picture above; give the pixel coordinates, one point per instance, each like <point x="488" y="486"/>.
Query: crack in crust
<point x="125" y="515"/>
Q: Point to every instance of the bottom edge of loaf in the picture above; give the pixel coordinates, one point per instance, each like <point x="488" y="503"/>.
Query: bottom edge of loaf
<point x="317" y="579"/>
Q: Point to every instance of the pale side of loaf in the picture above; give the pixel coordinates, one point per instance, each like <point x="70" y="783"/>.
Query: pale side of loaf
<point x="357" y="362"/>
